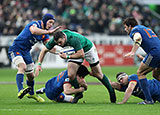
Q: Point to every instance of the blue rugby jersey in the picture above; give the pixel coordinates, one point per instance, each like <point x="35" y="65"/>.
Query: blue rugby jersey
<point x="154" y="86"/>
<point x="150" y="41"/>
<point x="54" y="86"/>
<point x="25" y="40"/>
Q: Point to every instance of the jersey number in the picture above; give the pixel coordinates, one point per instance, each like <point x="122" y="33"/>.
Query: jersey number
<point x="60" y="75"/>
<point x="150" y="33"/>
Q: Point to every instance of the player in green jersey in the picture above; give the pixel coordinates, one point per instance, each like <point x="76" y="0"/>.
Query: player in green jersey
<point x="84" y="49"/>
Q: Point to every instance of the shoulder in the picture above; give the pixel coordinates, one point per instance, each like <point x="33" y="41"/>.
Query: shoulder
<point x="35" y="23"/>
<point x="66" y="31"/>
<point x="133" y="77"/>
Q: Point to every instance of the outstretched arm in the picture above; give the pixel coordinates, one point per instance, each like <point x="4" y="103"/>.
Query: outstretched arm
<point x="40" y="59"/>
<point x="38" y="31"/>
<point x="137" y="42"/>
<point x="128" y="91"/>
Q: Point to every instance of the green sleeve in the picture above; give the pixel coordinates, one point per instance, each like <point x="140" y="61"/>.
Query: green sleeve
<point x="49" y="45"/>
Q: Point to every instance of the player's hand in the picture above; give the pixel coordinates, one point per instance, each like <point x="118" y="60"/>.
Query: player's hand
<point x="120" y="103"/>
<point x="38" y="68"/>
<point x="140" y="56"/>
<point x="55" y="29"/>
<point x="82" y="89"/>
<point x="63" y="55"/>
<point x="130" y="54"/>
<point x="83" y="84"/>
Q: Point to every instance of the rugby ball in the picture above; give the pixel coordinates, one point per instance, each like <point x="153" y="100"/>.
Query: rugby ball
<point x="68" y="50"/>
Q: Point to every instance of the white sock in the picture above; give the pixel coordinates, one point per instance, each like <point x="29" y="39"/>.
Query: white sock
<point x="68" y="98"/>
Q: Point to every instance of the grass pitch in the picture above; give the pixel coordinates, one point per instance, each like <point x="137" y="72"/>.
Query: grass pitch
<point x="95" y="101"/>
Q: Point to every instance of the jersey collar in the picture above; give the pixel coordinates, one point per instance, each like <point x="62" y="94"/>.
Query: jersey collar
<point x="65" y="36"/>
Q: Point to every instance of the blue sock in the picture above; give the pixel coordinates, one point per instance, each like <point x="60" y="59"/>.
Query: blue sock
<point x="145" y="89"/>
<point x="19" y="81"/>
<point x="31" y="83"/>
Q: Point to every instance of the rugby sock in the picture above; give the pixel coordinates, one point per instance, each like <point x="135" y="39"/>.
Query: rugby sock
<point x="144" y="85"/>
<point x="111" y="91"/>
<point x="31" y="84"/>
<point x="19" y="81"/>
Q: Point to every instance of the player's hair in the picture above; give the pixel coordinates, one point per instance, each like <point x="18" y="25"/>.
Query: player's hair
<point x="57" y="35"/>
<point x="119" y="75"/>
<point x="82" y="71"/>
<point x="130" y="21"/>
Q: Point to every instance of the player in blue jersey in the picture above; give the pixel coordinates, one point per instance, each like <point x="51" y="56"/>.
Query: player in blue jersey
<point x="19" y="52"/>
<point x="131" y="86"/>
<point x="145" y="38"/>
<point x="55" y="86"/>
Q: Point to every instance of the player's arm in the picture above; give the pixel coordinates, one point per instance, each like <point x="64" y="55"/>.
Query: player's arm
<point x="68" y="90"/>
<point x="40" y="59"/>
<point x="37" y="31"/>
<point x="115" y="85"/>
<point x="77" y="55"/>
<point x="137" y="38"/>
<point x="128" y="91"/>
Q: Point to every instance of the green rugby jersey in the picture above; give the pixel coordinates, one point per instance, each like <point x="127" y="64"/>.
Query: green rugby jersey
<point x="74" y="39"/>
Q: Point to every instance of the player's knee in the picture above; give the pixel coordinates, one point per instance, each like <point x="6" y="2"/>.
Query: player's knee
<point x="97" y="75"/>
<point x="139" y="73"/>
<point x="29" y="68"/>
<point x="21" y="67"/>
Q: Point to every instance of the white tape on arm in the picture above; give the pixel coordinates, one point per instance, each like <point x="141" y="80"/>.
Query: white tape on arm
<point x="137" y="38"/>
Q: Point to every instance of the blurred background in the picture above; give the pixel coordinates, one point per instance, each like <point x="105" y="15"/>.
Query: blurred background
<point x="98" y="20"/>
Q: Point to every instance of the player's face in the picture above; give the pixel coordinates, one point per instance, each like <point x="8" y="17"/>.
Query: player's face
<point x="127" y="29"/>
<point x="49" y="24"/>
<point x="61" y="42"/>
<point x="80" y="80"/>
<point x="124" y="80"/>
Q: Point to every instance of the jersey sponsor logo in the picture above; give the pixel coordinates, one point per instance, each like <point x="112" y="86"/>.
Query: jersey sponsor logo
<point x="67" y="80"/>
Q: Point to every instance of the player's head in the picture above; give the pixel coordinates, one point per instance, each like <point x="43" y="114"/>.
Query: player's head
<point x="48" y="21"/>
<point x="129" y="23"/>
<point x="59" y="38"/>
<point x="82" y="71"/>
<point x="122" y="78"/>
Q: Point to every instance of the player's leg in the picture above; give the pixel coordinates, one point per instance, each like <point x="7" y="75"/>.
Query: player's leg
<point x="156" y="73"/>
<point x="30" y="83"/>
<point x="21" y="66"/>
<point x="141" y="72"/>
<point x="72" y="71"/>
<point x="92" y="57"/>
<point x="97" y="72"/>
<point x="17" y="58"/>
<point x="30" y="77"/>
